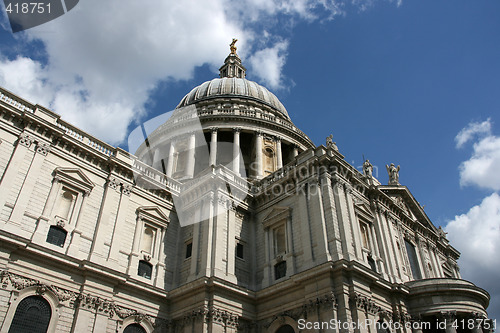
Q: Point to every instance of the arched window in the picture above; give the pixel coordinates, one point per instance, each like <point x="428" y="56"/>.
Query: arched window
<point x="145" y="269"/>
<point x="32" y="315"/>
<point x="285" y="329"/>
<point x="134" y="328"/>
<point x="56" y="236"/>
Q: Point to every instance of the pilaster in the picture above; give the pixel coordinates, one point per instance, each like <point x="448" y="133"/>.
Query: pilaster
<point x="236" y="150"/>
<point x="258" y="153"/>
<point x="213" y="146"/>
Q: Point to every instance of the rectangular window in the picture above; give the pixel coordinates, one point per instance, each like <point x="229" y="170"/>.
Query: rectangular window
<point x="239" y="250"/>
<point x="148" y="238"/>
<point x="189" y="250"/>
<point x="56" y="236"/>
<point x="412" y="257"/>
<point x="365" y="239"/>
<point x="145" y="269"/>
<point x="279" y="240"/>
<point x="280" y="270"/>
<point x="66" y="204"/>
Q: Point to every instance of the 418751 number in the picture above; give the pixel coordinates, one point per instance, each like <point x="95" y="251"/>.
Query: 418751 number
<point x="28" y="8"/>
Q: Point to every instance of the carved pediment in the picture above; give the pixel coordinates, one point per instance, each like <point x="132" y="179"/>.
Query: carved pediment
<point x="74" y="177"/>
<point x="277" y="214"/>
<point x="363" y="210"/>
<point x="153" y="214"/>
<point x="403" y="198"/>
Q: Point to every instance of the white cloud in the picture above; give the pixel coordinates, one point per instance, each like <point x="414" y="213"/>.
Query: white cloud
<point x="473" y="129"/>
<point x="482" y="168"/>
<point x="26" y="76"/>
<point x="104" y="58"/>
<point x="102" y="66"/>
<point x="304" y="9"/>
<point x="476" y="235"/>
<point x="268" y="64"/>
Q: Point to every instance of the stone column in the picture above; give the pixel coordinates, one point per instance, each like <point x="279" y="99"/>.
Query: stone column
<point x="279" y="155"/>
<point x="343" y="218"/>
<point x="170" y="162"/>
<point x="12" y="168"/>
<point x="32" y="175"/>
<point x="213" y="146"/>
<point x="479" y="320"/>
<point x="353" y="220"/>
<point x="114" y="251"/>
<point x="236" y="150"/>
<point x="109" y="203"/>
<point x="386" y="243"/>
<point x="416" y="326"/>
<point x="295" y="150"/>
<point x="191" y="155"/>
<point x="258" y="153"/>
<point x="331" y="215"/>
<point x="449" y="317"/>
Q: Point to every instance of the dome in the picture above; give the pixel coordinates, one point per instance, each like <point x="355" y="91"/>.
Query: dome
<point x="234" y="87"/>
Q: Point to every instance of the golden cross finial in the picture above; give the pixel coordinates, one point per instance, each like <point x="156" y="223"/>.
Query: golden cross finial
<point x="232" y="46"/>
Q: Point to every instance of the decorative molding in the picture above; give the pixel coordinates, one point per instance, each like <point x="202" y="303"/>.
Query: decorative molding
<point x="75" y="178"/>
<point x="210" y="314"/>
<point x="25" y="140"/>
<point x="113" y="183"/>
<point x="364" y="303"/>
<point x="70" y="298"/>
<point x="43" y="148"/>
<point x="126" y="189"/>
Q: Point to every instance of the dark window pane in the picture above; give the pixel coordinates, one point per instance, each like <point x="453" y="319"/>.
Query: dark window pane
<point x="134" y="328"/>
<point x="239" y="250"/>
<point x="412" y="256"/>
<point x="145" y="269"/>
<point x="32" y="315"/>
<point x="189" y="250"/>
<point x="56" y="236"/>
<point x="280" y="270"/>
<point x="372" y="263"/>
<point x="285" y="329"/>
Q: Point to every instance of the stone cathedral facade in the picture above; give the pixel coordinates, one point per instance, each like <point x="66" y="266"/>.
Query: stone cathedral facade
<point x="227" y="219"/>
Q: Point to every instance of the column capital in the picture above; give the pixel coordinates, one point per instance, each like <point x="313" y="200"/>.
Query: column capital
<point x="25" y="139"/>
<point x="214" y="129"/>
<point x="43" y="148"/>
<point x="236" y="129"/>
<point x="449" y="316"/>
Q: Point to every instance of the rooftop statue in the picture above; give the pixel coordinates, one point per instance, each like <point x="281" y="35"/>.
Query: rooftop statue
<point x="393" y="174"/>
<point x="232" y="46"/>
<point x="367" y="168"/>
<point x="330" y="143"/>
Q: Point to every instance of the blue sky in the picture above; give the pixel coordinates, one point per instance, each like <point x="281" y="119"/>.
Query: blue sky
<point x="395" y="81"/>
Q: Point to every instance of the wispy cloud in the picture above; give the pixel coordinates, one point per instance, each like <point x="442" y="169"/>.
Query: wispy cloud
<point x="267" y="64"/>
<point x="472" y="130"/>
